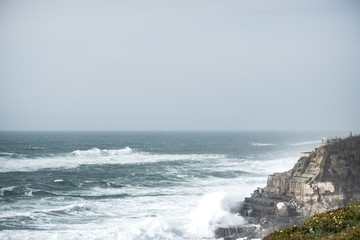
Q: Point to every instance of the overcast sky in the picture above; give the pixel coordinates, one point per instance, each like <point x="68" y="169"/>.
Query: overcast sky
<point x="180" y="65"/>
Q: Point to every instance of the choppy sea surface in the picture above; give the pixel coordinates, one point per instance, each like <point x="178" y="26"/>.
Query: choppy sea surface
<point x="135" y="185"/>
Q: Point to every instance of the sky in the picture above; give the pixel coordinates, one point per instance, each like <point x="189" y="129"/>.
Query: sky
<point x="180" y="65"/>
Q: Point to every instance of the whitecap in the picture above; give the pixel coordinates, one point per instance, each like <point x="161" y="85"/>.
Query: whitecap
<point x="97" y="156"/>
<point x="34" y="147"/>
<point x="96" y="152"/>
<point x="9" y="189"/>
<point x="7" y="153"/>
<point x="263" y="144"/>
<point x="29" y="192"/>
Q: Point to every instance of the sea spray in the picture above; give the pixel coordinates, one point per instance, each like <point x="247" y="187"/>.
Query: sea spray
<point x="155" y="228"/>
<point x="213" y="210"/>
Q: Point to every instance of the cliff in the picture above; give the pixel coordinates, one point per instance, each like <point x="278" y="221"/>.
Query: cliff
<point x="324" y="179"/>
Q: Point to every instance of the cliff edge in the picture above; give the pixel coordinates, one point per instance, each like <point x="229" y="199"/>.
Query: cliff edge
<point x="324" y="179"/>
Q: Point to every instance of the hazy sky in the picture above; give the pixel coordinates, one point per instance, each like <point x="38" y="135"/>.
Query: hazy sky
<point x="180" y="65"/>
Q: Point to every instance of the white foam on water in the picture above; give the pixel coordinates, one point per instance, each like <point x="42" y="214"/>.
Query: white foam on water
<point x="270" y="166"/>
<point x="34" y="147"/>
<point x="96" y="156"/>
<point x="305" y="143"/>
<point x="7" y="153"/>
<point x="9" y="189"/>
<point x="156" y="228"/>
<point x="213" y="210"/>
<point x="79" y="207"/>
<point x="190" y="210"/>
<point x="96" y="152"/>
<point x="68" y="234"/>
<point x="29" y="192"/>
<point x="180" y="213"/>
<point x="263" y="144"/>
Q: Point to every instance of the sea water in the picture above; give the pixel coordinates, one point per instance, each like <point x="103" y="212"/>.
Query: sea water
<point x="135" y="185"/>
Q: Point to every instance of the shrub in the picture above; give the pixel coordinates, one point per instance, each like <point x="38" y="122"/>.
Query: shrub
<point x="341" y="223"/>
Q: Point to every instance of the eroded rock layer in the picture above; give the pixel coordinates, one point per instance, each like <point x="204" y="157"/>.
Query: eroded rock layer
<point x="321" y="180"/>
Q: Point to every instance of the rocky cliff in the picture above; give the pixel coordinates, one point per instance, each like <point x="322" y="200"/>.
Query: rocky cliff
<point x="324" y="179"/>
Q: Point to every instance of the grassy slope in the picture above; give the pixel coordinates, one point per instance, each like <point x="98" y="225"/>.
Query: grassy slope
<point x="340" y="224"/>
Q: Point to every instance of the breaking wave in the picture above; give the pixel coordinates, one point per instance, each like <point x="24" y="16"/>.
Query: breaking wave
<point x="95" y="152"/>
<point x="214" y="209"/>
<point x="97" y="156"/>
<point x="263" y="144"/>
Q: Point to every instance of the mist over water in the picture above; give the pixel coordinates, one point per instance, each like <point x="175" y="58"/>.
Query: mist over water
<point x="135" y="185"/>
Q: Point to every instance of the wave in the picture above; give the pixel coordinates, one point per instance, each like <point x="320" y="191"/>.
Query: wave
<point x="34" y="147"/>
<point x="70" y="209"/>
<point x="94" y="233"/>
<point x="263" y="144"/>
<point x="266" y="167"/>
<point x="214" y="209"/>
<point x="305" y="143"/>
<point x="20" y="191"/>
<point x="97" y="156"/>
<point x="5" y="190"/>
<point x="6" y="153"/>
<point x="96" y="152"/>
<point x="50" y="191"/>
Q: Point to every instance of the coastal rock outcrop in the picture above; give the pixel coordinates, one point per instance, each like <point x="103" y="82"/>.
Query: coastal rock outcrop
<point x="324" y="179"/>
<point x="321" y="180"/>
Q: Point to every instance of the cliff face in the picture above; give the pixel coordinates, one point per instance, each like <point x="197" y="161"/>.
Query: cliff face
<point x="321" y="180"/>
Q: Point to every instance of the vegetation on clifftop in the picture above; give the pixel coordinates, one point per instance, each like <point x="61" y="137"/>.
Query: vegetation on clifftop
<point x="340" y="224"/>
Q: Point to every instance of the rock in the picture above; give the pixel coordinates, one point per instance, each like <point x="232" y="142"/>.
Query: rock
<point x="321" y="180"/>
<point x="229" y="233"/>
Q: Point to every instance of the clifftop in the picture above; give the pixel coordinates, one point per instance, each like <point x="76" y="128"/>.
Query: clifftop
<point x="340" y="224"/>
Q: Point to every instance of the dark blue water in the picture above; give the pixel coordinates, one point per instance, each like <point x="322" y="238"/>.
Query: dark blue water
<point x="135" y="185"/>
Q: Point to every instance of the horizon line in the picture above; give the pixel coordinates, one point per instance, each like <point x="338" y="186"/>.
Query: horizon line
<point x="179" y="130"/>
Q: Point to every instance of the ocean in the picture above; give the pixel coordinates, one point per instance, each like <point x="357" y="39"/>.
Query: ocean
<point x="136" y="185"/>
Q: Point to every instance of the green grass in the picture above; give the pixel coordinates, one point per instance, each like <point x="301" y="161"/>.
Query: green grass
<point x="340" y="224"/>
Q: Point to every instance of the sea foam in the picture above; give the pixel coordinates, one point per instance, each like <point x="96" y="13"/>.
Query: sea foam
<point x="96" y="152"/>
<point x="97" y="156"/>
<point x="263" y="144"/>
